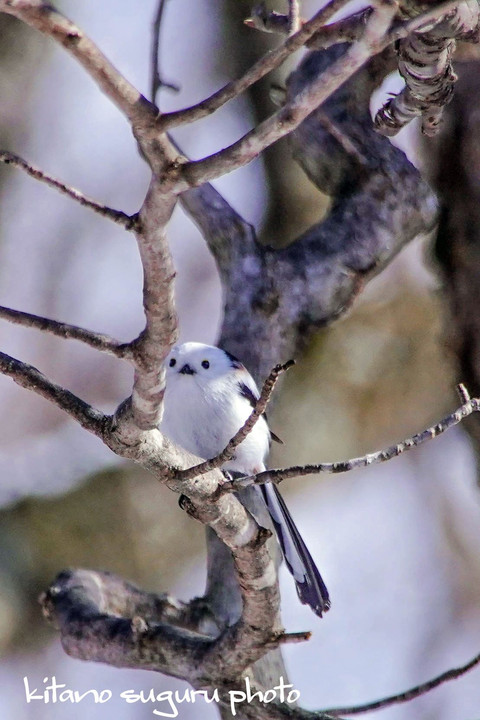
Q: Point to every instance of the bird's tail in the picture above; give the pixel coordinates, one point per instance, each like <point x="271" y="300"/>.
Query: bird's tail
<point x="310" y="587"/>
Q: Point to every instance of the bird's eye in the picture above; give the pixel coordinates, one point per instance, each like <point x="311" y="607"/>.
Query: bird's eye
<point x="205" y="364"/>
<point x="172" y="362"/>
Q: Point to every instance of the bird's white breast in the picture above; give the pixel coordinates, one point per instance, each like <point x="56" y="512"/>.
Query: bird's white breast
<point x="203" y="420"/>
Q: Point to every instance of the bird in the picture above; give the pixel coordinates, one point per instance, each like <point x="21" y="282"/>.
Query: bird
<point x="209" y="394"/>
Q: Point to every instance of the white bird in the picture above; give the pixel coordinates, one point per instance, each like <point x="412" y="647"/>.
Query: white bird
<point x="209" y="395"/>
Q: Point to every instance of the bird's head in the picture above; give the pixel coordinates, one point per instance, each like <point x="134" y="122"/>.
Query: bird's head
<point x="199" y="362"/>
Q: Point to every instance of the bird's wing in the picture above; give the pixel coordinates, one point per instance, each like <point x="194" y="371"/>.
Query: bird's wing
<point x="250" y="392"/>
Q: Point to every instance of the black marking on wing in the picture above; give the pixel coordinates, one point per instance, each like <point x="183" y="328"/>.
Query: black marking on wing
<point x="235" y="362"/>
<point x="247" y="393"/>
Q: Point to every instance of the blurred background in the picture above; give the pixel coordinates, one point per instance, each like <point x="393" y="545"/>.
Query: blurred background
<point x="397" y="544"/>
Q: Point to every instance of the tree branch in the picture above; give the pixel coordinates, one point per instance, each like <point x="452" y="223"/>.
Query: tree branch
<point x="32" y="379"/>
<point x="261" y="68"/>
<point x="280" y="711"/>
<point x="238" y="646"/>
<point x="89" y="630"/>
<point x="114" y="595"/>
<point x="269" y="21"/>
<point x="414" y="692"/>
<point x="98" y="341"/>
<point x="45" y="18"/>
<point x="294" y="112"/>
<point x="156" y="80"/>
<point x="103" y="619"/>
<point x="117" y="216"/>
<point x="348" y="29"/>
<point x="425" y="63"/>
<point x="148" y="631"/>
<point x="294" y="20"/>
<point x="153" y="344"/>
<point x="259" y="409"/>
<point x="141" y="113"/>
<point x="276" y="476"/>
<point x="374" y="39"/>
<point x="376" y="211"/>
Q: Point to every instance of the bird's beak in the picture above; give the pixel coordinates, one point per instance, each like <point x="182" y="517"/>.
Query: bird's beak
<point x="187" y="370"/>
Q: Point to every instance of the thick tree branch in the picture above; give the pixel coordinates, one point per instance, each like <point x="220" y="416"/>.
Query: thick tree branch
<point x="160" y="333"/>
<point x="248" y="639"/>
<point x="98" y="341"/>
<point x="119" y="217"/>
<point x="32" y="379"/>
<point x="425" y="63"/>
<point x="242" y="433"/>
<point x="376" y="210"/>
<point x="256" y="631"/>
<point x="144" y="630"/>
<point x="113" y="595"/>
<point x="104" y="620"/>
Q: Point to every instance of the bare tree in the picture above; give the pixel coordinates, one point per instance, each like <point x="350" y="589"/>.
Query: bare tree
<point x="278" y="297"/>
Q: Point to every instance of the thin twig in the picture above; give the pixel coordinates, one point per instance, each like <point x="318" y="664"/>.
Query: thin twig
<point x="119" y="217"/>
<point x="295" y="637"/>
<point x="343" y="140"/>
<point x="266" y="20"/>
<point x="262" y="67"/>
<point x="32" y="379"/>
<point x="276" y="476"/>
<point x="101" y="342"/>
<point x="414" y="692"/>
<point x="463" y="393"/>
<point x="227" y="453"/>
<point x="156" y="79"/>
<point x="294" y="21"/>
